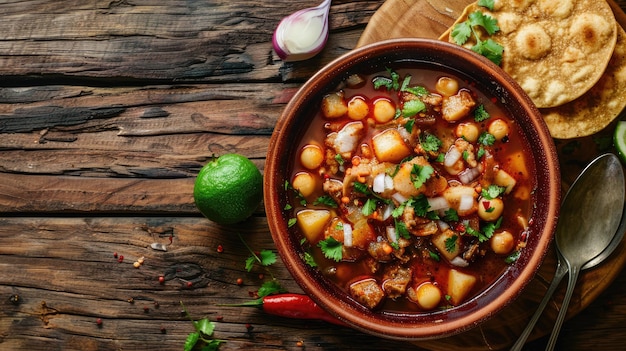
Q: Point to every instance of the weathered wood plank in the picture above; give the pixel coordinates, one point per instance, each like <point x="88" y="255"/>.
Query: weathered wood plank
<point x="172" y="40"/>
<point x="73" y="278"/>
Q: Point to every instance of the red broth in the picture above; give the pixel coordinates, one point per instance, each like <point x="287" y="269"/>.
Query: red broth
<point x="417" y="211"/>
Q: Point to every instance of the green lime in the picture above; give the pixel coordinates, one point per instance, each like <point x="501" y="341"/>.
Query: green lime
<point x="619" y="139"/>
<point x="228" y="189"/>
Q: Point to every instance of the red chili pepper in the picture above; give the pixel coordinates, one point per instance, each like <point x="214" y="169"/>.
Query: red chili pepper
<point x="296" y="306"/>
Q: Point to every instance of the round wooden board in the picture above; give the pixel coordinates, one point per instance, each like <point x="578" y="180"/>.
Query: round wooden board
<point x="429" y="19"/>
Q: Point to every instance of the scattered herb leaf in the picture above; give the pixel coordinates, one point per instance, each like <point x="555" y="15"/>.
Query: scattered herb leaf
<point x="331" y="248"/>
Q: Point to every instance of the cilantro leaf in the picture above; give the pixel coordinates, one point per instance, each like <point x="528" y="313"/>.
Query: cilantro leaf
<point x="325" y="200"/>
<point x="409" y="125"/>
<point x="308" y="259"/>
<point x="434" y="256"/>
<point x="361" y="188"/>
<point x="486" y="3"/>
<point x="270" y="287"/>
<point x="417" y="90"/>
<point x="493" y="191"/>
<point x="461" y="32"/>
<point x="450" y="243"/>
<point x="473" y="232"/>
<point x="191" y="341"/>
<point x="331" y="248"/>
<point x="451" y="215"/>
<point x="401" y="229"/>
<point x="291" y="222"/>
<point x="486" y="139"/>
<point x="267" y="258"/>
<point x="412" y="107"/>
<point x="420" y="205"/>
<point x="430" y="142"/>
<point x="480" y="114"/>
<point x="420" y="174"/>
<point x="381" y="82"/>
<point x="513" y="256"/>
<point x="490" y="49"/>
<point x="369" y="207"/>
<point x="490" y="228"/>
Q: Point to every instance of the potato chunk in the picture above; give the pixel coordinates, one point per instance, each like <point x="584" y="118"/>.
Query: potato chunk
<point x="389" y="146"/>
<point x="312" y="223"/>
<point x="447" y="251"/>
<point x="334" y="105"/>
<point x="459" y="286"/>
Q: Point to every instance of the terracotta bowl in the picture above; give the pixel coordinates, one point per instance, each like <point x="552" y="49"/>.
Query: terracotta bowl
<point x="283" y="150"/>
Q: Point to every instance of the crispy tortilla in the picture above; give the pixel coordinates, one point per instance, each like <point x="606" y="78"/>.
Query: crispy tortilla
<point x="596" y="109"/>
<point x="555" y="50"/>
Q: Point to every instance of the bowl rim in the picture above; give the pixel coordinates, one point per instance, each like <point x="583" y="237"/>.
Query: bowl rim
<point x="399" y="328"/>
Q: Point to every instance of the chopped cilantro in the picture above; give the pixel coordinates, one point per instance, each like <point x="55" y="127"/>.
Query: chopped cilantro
<point x="419" y="204"/>
<point x="434" y="256"/>
<point x="451" y="215"/>
<point x="397" y="212"/>
<point x="465" y="155"/>
<point x="362" y="188"/>
<point x="331" y="248"/>
<point x="440" y="158"/>
<point x="203" y="333"/>
<point x="339" y="159"/>
<point x="308" y="259"/>
<point x="430" y="142"/>
<point x="412" y="107"/>
<point x="405" y="82"/>
<point x="461" y="33"/>
<point x="514" y="256"/>
<point x="291" y="222"/>
<point x="325" y="200"/>
<point x="409" y="125"/>
<point x="264" y="258"/>
<point x="402" y="230"/>
<point x="486" y="139"/>
<point x="382" y="82"/>
<point x="473" y="232"/>
<point x="420" y="174"/>
<point x="480" y="114"/>
<point x="480" y="153"/>
<point x="369" y="207"/>
<point x="288" y="207"/>
<point x="490" y="228"/>
<point x="486" y="3"/>
<point x="270" y="287"/>
<point x="450" y="243"/>
<point x="493" y="191"/>
<point x="417" y="90"/>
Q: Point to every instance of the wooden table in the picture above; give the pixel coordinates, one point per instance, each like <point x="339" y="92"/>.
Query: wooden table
<point x="108" y="109"/>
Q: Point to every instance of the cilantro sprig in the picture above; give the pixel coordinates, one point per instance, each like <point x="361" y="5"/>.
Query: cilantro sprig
<point x="203" y="334"/>
<point x="463" y="31"/>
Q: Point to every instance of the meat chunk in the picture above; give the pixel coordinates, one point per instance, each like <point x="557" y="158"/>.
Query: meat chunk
<point x="367" y="292"/>
<point x="455" y="107"/>
<point x="396" y="280"/>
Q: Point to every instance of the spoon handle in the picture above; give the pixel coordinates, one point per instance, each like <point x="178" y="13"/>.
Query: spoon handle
<point x="571" y="284"/>
<point x="561" y="269"/>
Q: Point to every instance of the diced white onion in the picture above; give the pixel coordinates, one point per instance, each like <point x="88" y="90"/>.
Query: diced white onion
<point x="399" y="197"/>
<point x="438" y="203"/>
<point x="381" y="183"/>
<point x="391" y="234"/>
<point x="452" y="156"/>
<point x="459" y="262"/>
<point x="388" y="212"/>
<point x="443" y="225"/>
<point x="404" y="133"/>
<point x="347" y="235"/>
<point x="468" y="175"/>
<point x="466" y="203"/>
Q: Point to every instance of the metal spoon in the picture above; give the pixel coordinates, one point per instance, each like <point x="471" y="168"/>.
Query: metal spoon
<point x="580" y="185"/>
<point x="596" y="208"/>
